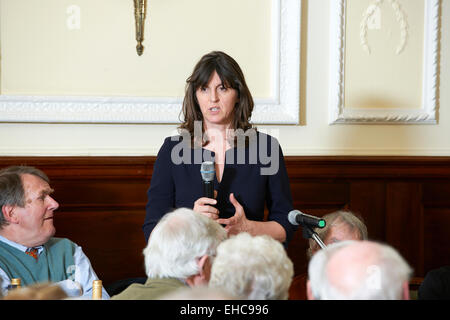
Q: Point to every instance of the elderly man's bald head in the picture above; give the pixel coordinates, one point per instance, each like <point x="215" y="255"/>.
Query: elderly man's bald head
<point x="359" y="270"/>
<point x="348" y="268"/>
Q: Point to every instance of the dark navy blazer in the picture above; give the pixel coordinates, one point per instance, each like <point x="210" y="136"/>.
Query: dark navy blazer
<point x="256" y="174"/>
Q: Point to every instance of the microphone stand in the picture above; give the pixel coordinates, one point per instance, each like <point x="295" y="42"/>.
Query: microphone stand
<point x="310" y="233"/>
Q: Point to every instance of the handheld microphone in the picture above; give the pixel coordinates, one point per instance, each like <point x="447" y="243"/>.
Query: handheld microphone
<point x="296" y="217"/>
<point x="208" y="171"/>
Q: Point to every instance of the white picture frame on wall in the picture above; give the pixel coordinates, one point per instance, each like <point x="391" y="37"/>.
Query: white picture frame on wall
<point x="425" y="113"/>
<point x="282" y="107"/>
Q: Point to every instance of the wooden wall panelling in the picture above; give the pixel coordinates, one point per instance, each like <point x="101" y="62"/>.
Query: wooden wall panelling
<point x="404" y="222"/>
<point x="368" y="199"/>
<point x="436" y="242"/>
<point x="436" y="200"/>
<point x="111" y="239"/>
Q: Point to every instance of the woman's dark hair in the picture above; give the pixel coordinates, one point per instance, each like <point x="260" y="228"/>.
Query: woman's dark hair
<point x="232" y="76"/>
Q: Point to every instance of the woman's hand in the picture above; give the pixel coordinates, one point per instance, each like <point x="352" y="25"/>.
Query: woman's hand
<point x="237" y="223"/>
<point x="205" y="206"/>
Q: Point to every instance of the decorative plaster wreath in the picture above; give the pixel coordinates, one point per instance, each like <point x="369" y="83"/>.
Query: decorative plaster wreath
<point x="401" y="18"/>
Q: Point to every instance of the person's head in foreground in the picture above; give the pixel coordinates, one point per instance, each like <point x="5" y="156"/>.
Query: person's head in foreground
<point x="182" y="246"/>
<point x="252" y="267"/>
<point x="358" y="270"/>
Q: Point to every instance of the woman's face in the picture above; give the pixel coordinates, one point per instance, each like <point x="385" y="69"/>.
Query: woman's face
<point x="216" y="102"/>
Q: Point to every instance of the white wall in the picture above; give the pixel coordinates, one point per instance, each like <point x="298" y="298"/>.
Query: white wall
<point x="312" y="137"/>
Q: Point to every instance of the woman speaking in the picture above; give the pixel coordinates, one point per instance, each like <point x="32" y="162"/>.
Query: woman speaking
<point x="251" y="185"/>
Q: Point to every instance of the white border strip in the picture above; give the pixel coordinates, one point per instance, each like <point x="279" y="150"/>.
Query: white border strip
<point x="426" y="114"/>
<point x="282" y="108"/>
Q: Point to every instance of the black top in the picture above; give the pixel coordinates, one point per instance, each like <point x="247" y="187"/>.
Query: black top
<point x="436" y="285"/>
<point x="256" y="174"/>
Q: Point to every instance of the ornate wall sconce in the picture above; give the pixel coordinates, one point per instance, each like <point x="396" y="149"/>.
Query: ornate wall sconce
<point x="140" y="8"/>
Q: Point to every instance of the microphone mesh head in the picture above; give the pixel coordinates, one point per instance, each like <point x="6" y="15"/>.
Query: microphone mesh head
<point x="208" y="171"/>
<point x="291" y="217"/>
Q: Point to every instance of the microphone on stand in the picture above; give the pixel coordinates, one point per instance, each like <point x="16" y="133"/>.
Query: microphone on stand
<point x="296" y="217"/>
<point x="308" y="222"/>
<point x="208" y="171"/>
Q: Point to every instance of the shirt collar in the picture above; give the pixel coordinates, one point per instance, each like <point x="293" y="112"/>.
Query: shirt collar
<point x="18" y="246"/>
